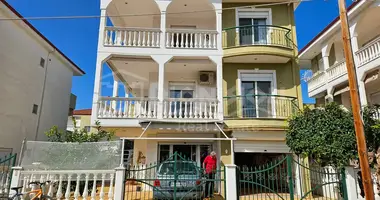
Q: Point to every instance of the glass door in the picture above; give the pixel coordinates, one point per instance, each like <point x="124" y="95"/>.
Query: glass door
<point x="180" y="105"/>
<point x="252" y="31"/>
<point x="195" y="152"/>
<point x="257" y="99"/>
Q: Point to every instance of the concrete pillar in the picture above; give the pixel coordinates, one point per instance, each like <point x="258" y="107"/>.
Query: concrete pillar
<point x="362" y="92"/>
<point x="218" y="60"/>
<point x="325" y="56"/>
<point x="161" y="60"/>
<point x="330" y="96"/>
<point x="119" y="183"/>
<point x="16" y="178"/>
<point x="351" y="183"/>
<point x="231" y="189"/>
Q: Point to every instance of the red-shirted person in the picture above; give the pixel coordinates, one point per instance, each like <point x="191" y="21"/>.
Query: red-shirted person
<point x="209" y="164"/>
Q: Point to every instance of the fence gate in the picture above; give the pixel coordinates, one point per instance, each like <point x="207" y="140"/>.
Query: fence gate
<point x="6" y="164"/>
<point x="175" y="178"/>
<point x="287" y="178"/>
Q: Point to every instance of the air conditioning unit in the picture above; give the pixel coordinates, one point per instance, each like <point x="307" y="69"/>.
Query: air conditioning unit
<point x="206" y="77"/>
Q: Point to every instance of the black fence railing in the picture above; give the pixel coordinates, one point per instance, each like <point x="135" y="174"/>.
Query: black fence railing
<point x="259" y="106"/>
<point x="257" y="35"/>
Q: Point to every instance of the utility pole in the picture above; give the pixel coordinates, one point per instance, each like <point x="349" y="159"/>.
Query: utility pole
<point x="352" y="81"/>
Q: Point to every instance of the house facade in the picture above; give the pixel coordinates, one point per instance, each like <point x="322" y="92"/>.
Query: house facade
<point x="35" y="82"/>
<point x="82" y="120"/>
<point x="197" y="76"/>
<point x="261" y="86"/>
<point x="325" y="57"/>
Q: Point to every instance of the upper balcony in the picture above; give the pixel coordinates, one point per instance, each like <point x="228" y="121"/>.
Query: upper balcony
<point x="151" y="26"/>
<point x="179" y="89"/>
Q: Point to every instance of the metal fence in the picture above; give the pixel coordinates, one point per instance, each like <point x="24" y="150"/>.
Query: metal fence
<point x="6" y="164"/>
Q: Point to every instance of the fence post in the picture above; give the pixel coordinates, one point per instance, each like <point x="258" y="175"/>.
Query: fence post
<point x="231" y="184"/>
<point x="16" y="179"/>
<point x="289" y="162"/>
<point x="350" y="177"/>
<point x="119" y="183"/>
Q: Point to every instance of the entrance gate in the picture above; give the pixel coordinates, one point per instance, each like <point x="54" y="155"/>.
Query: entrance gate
<point x="175" y="178"/>
<point x="287" y="178"/>
<point x="6" y="164"/>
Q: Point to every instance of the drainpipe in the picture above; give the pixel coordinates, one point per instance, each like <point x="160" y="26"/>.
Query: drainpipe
<point x="43" y="94"/>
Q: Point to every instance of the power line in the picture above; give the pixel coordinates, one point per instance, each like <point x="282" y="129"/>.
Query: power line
<point x="150" y="14"/>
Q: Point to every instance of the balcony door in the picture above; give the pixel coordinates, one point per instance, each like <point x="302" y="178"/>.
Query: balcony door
<point x="252" y="31"/>
<point x="181" y="91"/>
<point x="256" y="95"/>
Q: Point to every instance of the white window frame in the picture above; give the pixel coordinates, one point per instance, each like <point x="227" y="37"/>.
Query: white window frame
<point x="271" y="78"/>
<point x="254" y="13"/>
<point x="183" y="85"/>
<point x="197" y="149"/>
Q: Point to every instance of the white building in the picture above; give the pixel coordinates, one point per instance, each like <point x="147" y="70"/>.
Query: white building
<point x="324" y="55"/>
<point x="35" y="82"/>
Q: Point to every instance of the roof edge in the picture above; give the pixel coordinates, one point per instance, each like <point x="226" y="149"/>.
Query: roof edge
<point x="332" y="23"/>
<point x="75" y="66"/>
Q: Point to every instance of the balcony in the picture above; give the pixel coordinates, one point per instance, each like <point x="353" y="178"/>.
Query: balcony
<point x="150" y="38"/>
<point x="258" y="39"/>
<point x="148" y="108"/>
<point x="259" y="107"/>
<point x="369" y="52"/>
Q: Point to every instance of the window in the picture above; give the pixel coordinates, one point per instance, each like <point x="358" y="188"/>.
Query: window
<point x="35" y="109"/>
<point x="194" y="152"/>
<point x="87" y="128"/>
<point x="42" y="62"/>
<point x="252" y="25"/>
<point x="183" y="90"/>
<point x="256" y="94"/>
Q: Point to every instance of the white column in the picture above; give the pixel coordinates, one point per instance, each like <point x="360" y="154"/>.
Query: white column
<point x="161" y="60"/>
<point x="218" y="60"/>
<point x="218" y="7"/>
<point x="351" y="183"/>
<point x="103" y="24"/>
<point x="115" y="92"/>
<point x="126" y="90"/>
<point x="325" y="56"/>
<point x="16" y="179"/>
<point x="231" y="191"/>
<point x="119" y="183"/>
<point x="97" y="88"/>
<point x="362" y="92"/>
<point x="329" y="97"/>
<point x="163" y="29"/>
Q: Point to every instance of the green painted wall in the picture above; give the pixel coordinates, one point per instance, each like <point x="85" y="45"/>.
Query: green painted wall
<point x="281" y="15"/>
<point x="286" y="82"/>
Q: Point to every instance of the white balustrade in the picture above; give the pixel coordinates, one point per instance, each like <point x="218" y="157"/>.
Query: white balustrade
<point x="191" y="39"/>
<point x="184" y="108"/>
<point x="121" y="107"/>
<point x="316" y="80"/>
<point x="337" y="70"/>
<point x="132" y="37"/>
<point x="61" y="181"/>
<point x="369" y="52"/>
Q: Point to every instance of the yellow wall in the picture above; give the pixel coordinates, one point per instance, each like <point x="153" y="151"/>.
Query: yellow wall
<point x="85" y="120"/>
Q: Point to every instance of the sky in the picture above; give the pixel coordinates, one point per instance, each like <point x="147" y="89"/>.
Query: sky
<point x="77" y="38"/>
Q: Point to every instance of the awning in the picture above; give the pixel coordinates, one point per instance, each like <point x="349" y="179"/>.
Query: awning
<point x="246" y="146"/>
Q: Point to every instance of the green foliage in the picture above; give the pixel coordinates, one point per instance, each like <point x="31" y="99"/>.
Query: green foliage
<point x="324" y="134"/>
<point x="327" y="135"/>
<point x="78" y="135"/>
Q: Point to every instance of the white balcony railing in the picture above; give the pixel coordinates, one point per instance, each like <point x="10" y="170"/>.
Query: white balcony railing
<point x="191" y="39"/>
<point x="179" y="108"/>
<point x="121" y="107"/>
<point x="337" y="70"/>
<point x="147" y="108"/>
<point x="132" y="37"/>
<point x="369" y="52"/>
<point x="317" y="80"/>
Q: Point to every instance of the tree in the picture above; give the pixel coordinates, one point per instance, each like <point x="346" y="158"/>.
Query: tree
<point x="327" y="134"/>
<point x="78" y="135"/>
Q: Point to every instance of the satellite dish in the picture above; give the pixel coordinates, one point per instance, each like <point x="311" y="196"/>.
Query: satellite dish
<point x="306" y="76"/>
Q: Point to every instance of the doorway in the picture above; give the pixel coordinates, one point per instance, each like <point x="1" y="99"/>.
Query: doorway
<point x="194" y="152"/>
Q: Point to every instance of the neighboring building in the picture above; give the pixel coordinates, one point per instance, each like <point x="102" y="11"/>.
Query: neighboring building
<point x="82" y="119"/>
<point x="325" y="57"/>
<point x="261" y="85"/>
<point x="35" y="82"/>
<point x="180" y="79"/>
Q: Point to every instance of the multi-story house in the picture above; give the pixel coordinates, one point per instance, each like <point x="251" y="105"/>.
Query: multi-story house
<point x="82" y="119"/>
<point x="196" y="75"/>
<point x="167" y="58"/>
<point x="325" y="57"/>
<point x="261" y="86"/>
<point x="35" y="82"/>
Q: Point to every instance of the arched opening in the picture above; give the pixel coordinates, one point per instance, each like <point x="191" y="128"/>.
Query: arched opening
<point x="147" y="13"/>
<point x="366" y="29"/>
<point x="195" y="14"/>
